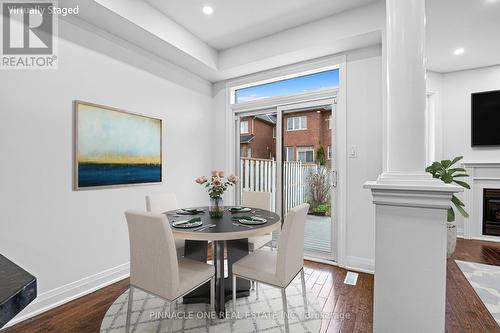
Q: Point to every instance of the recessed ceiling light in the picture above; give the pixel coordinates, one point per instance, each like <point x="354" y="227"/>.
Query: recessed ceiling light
<point x="459" y="51"/>
<point x="207" y="10"/>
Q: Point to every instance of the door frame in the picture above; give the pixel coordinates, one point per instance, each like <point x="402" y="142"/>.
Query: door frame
<point x="233" y="111"/>
<point x="291" y="108"/>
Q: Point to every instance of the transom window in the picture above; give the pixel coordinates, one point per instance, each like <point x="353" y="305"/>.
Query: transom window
<point x="297" y="123"/>
<point x="244" y="127"/>
<point x="301" y="83"/>
<point x="305" y="154"/>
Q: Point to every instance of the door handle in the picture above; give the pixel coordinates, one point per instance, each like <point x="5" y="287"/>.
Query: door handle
<point x="334" y="178"/>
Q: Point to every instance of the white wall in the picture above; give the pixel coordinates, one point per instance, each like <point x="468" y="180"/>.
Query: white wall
<point x="458" y="87"/>
<point x="434" y="90"/>
<point x="64" y="237"/>
<point x="454" y="90"/>
<point x="364" y="131"/>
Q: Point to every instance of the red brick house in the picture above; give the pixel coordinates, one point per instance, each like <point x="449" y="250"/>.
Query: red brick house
<point x="303" y="134"/>
<point x="258" y="137"/>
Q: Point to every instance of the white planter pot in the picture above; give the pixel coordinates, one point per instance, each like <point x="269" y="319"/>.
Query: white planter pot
<point x="452" y="238"/>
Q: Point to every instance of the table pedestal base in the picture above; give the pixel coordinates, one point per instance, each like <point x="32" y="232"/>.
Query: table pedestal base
<point x="236" y="249"/>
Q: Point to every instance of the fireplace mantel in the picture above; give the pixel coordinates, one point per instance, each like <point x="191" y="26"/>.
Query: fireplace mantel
<point x="481" y="175"/>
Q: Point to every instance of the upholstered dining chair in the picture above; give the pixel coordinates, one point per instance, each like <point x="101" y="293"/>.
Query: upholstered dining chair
<point x="278" y="268"/>
<point x="155" y="267"/>
<point x="163" y="202"/>
<point x="261" y="200"/>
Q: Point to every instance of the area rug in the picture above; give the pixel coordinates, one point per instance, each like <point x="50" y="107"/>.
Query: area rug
<point x="253" y="315"/>
<point x="485" y="279"/>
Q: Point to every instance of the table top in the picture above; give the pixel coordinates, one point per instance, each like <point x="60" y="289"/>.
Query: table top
<point x="224" y="229"/>
<point x="17" y="289"/>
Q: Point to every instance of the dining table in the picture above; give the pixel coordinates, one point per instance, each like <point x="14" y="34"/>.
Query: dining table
<point x="229" y="240"/>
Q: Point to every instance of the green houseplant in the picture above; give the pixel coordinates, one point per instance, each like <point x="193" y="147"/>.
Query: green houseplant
<point x="448" y="173"/>
<point x="321" y="156"/>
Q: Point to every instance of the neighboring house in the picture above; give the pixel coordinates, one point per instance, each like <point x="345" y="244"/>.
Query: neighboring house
<point x="303" y="134"/>
<point x="258" y="137"/>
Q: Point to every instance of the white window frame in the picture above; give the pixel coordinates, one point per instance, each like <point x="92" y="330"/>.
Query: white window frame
<point x="283" y="77"/>
<point x="299" y="128"/>
<point x="306" y="149"/>
<point x="247" y="127"/>
<point x="339" y="125"/>
<point x="329" y="153"/>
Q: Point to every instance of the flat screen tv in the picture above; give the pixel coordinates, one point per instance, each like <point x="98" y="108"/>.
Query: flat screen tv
<point x="486" y="118"/>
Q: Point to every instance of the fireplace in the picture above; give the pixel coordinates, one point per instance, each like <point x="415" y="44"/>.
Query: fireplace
<point x="491" y="212"/>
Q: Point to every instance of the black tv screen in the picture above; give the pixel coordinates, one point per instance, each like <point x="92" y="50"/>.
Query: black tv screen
<point x="486" y="118"/>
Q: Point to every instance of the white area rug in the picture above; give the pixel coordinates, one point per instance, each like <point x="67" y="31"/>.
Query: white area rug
<point x="485" y="279"/>
<point x="262" y="315"/>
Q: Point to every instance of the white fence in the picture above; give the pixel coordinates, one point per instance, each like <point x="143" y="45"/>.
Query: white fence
<point x="260" y="175"/>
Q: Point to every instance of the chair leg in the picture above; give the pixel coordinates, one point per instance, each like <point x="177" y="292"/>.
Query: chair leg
<point x="234" y="293"/>
<point x="304" y="297"/>
<point x="172" y="308"/>
<point x="256" y="284"/>
<point x="212" y="293"/>
<point x="129" y="308"/>
<point x="285" y="309"/>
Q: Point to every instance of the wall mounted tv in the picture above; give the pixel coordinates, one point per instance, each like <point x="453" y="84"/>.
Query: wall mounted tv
<point x="486" y="118"/>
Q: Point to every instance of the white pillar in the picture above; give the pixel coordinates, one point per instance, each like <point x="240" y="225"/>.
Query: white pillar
<point x="410" y="219"/>
<point x="405" y="52"/>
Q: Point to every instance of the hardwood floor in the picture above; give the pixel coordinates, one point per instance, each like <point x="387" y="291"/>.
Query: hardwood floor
<point x="464" y="310"/>
<point x="349" y="306"/>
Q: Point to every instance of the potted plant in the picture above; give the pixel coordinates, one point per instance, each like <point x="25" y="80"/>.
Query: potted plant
<point x="445" y="171"/>
<point x="216" y="187"/>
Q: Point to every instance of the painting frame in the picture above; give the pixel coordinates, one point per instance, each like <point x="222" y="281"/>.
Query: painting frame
<point x="76" y="144"/>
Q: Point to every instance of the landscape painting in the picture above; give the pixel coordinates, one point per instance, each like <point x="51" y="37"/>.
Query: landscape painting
<point x="115" y="147"/>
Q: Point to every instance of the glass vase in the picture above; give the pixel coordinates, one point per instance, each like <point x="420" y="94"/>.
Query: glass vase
<point x="216" y="208"/>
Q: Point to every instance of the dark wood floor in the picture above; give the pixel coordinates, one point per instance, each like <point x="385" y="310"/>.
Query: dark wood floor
<point x="464" y="310"/>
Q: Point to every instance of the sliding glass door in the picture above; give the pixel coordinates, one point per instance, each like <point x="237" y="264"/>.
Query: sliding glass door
<point x="308" y="170"/>
<point x="289" y="151"/>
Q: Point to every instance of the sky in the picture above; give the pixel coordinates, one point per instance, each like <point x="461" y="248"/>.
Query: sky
<point x="312" y="82"/>
<point x="117" y="137"/>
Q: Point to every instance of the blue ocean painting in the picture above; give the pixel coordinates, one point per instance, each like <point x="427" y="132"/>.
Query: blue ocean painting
<point x="116" y="147"/>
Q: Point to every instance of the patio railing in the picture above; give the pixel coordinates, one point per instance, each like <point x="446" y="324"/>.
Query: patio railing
<point x="260" y="175"/>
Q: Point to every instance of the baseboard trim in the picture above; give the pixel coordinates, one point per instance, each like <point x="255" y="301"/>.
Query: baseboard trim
<point x="71" y="291"/>
<point x="360" y="264"/>
<point x="460" y="232"/>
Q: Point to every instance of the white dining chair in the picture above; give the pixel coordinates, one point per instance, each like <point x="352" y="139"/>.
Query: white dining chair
<point x="155" y="267"/>
<point x="278" y="268"/>
<point x="261" y="200"/>
<point x="161" y="203"/>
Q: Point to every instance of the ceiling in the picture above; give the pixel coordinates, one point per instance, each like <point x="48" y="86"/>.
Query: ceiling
<point x="473" y="25"/>
<point x="234" y="22"/>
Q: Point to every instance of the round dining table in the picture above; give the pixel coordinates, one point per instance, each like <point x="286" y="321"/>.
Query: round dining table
<point x="227" y="236"/>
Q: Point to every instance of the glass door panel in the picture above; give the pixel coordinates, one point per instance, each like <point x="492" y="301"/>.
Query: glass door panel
<point x="307" y="170"/>
<point x="257" y="154"/>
